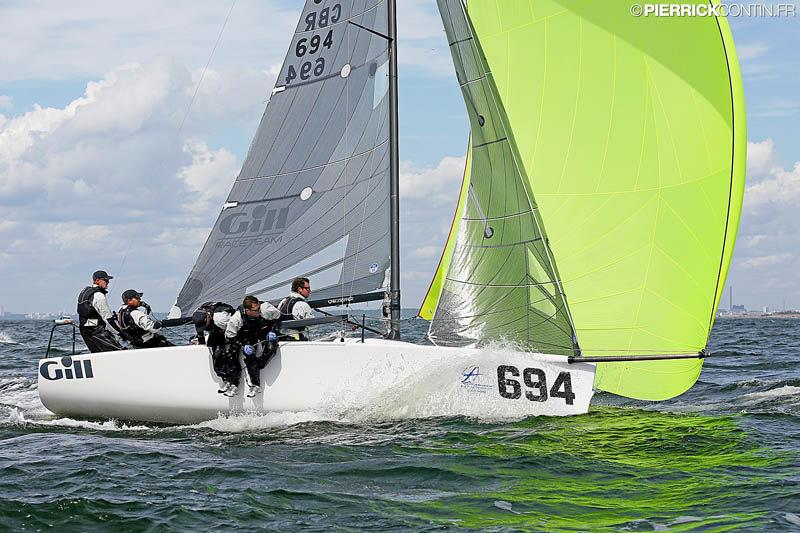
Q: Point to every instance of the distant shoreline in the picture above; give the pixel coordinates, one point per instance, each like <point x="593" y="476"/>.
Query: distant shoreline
<point x="759" y="315"/>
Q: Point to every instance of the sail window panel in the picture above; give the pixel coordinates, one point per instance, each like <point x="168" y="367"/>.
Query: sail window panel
<point x="328" y="259"/>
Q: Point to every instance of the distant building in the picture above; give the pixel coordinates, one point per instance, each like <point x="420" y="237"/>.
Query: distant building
<point x="2" y="311"/>
<point x="738" y="309"/>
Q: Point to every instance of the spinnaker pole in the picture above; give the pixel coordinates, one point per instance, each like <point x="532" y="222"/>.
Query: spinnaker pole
<point x="394" y="178"/>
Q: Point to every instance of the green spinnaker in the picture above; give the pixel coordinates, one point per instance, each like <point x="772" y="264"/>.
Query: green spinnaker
<point x="632" y="134"/>
<point x="428" y="306"/>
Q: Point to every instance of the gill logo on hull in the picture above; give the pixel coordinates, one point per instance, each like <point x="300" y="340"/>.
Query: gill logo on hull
<point x="66" y="368"/>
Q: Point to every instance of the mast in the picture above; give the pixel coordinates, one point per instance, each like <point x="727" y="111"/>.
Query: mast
<point x="394" y="177"/>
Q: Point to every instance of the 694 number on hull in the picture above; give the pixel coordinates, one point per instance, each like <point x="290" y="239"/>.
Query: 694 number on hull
<point x="511" y="383"/>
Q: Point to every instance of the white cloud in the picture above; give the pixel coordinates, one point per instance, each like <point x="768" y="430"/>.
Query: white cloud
<point x="783" y="187"/>
<point x="766" y="260"/>
<point x="427" y="252"/>
<point x="766" y="253"/>
<point x="760" y="158"/>
<point x="75" y="236"/>
<point x="768" y="182"/>
<point x="210" y="175"/>
<point x="746" y="52"/>
<point x="752" y="241"/>
<point x="440" y="184"/>
<point x="6" y="225"/>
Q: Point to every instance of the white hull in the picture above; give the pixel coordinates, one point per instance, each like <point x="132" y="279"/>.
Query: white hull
<point x="378" y="379"/>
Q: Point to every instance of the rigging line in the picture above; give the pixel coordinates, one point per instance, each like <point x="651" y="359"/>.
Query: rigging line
<point x="200" y="81"/>
<point x="346" y="169"/>
<point x="383" y="116"/>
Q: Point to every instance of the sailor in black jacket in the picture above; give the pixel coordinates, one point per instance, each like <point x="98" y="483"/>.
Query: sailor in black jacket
<point x="251" y="329"/>
<point x="210" y="321"/>
<point x="139" y="328"/>
<point x="94" y="313"/>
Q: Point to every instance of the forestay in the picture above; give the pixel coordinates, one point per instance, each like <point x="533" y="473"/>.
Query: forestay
<point x="501" y="281"/>
<point x="312" y="195"/>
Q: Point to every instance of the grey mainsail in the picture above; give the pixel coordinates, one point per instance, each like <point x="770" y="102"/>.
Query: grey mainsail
<point x="502" y="282"/>
<point x="312" y="198"/>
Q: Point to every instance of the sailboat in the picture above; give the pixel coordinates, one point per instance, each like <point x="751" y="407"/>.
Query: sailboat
<point x="592" y="237"/>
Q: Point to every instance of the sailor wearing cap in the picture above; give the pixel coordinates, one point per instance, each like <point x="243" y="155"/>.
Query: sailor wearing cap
<point x="94" y="313"/>
<point x="137" y="325"/>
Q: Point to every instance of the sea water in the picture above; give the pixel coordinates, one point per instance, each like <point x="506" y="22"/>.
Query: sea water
<point x="724" y="456"/>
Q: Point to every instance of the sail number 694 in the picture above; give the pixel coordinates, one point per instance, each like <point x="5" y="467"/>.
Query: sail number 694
<point x="535" y="383"/>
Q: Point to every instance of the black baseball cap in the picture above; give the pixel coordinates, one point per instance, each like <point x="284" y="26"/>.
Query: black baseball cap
<point x="130" y="293"/>
<point x="101" y="274"/>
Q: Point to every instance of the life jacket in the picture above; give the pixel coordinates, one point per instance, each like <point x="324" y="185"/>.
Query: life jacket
<point x="203" y="317"/>
<point x="86" y="310"/>
<point x="254" y="329"/>
<point x="128" y="325"/>
<point x="286" y="307"/>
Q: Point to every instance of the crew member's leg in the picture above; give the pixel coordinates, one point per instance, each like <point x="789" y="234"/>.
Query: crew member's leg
<point x="226" y="363"/>
<point x="158" y="341"/>
<point x="99" y="339"/>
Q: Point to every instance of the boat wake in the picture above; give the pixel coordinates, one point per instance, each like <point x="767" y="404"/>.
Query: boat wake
<point x="5" y="338"/>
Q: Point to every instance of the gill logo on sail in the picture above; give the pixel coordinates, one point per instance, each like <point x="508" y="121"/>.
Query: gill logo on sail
<point x="66" y="368"/>
<point x="259" y="220"/>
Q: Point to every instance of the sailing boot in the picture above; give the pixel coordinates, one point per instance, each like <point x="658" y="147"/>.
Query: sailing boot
<point x="254" y="389"/>
<point x="231" y="392"/>
<point x="225" y="387"/>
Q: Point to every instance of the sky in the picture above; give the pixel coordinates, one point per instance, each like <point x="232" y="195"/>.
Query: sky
<point x="116" y="155"/>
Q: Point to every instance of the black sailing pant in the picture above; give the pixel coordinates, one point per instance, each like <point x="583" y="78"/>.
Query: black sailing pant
<point x="256" y="362"/>
<point x="158" y="341"/>
<point x="99" y="339"/>
<point x="226" y="361"/>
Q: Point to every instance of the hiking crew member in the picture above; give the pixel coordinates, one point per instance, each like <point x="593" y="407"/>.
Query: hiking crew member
<point x="210" y="321"/>
<point x="94" y="313"/>
<point x="137" y="325"/>
<point x="295" y="307"/>
<point x="251" y="330"/>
